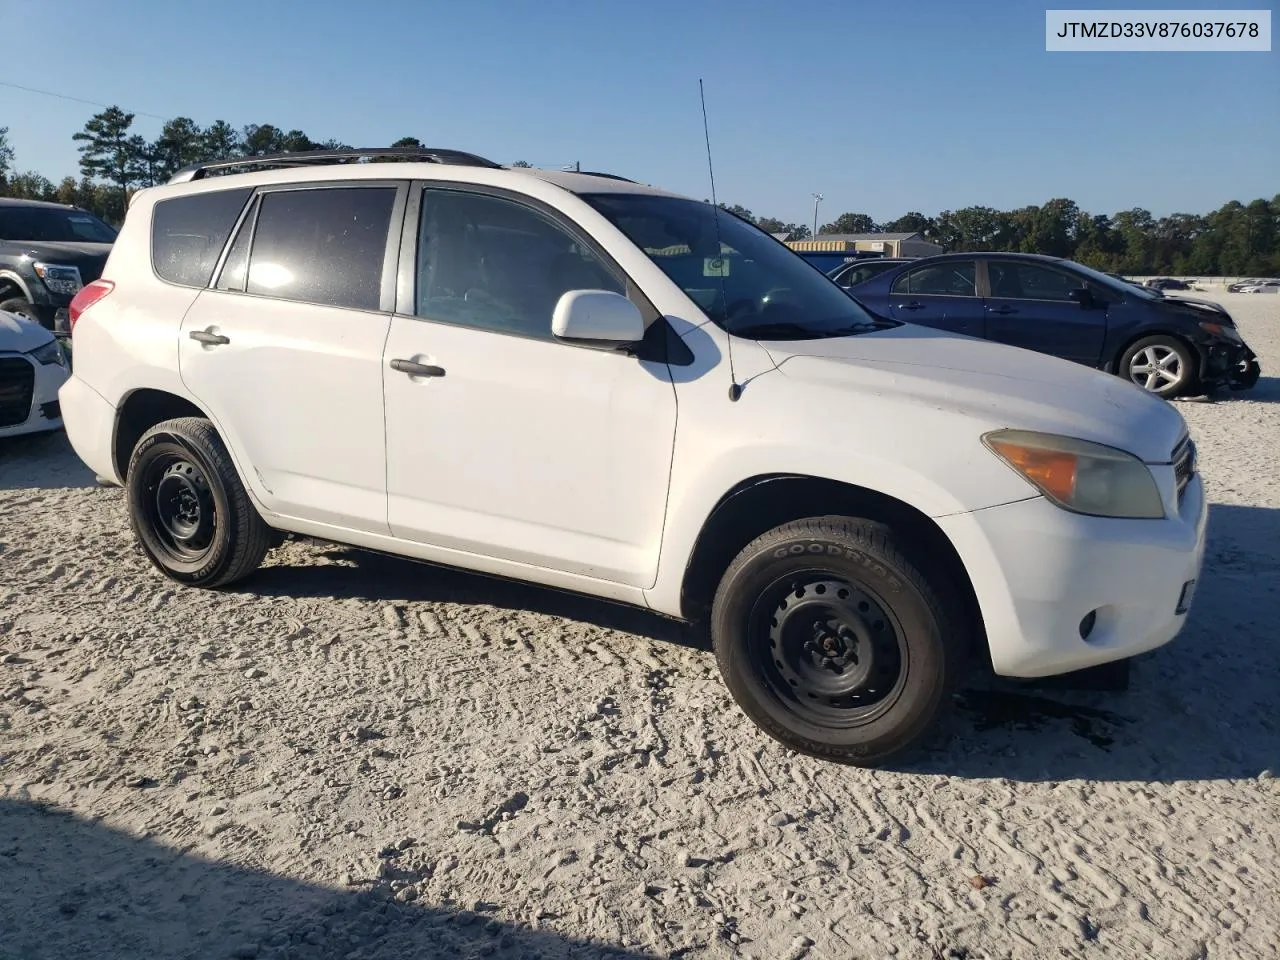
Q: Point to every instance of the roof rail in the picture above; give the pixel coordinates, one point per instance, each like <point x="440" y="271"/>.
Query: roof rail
<point x="609" y="176"/>
<point x="303" y="158"/>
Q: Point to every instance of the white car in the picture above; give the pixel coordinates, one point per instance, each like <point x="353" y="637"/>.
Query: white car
<point x="1262" y="286"/>
<point x="579" y="381"/>
<point x="33" y="367"/>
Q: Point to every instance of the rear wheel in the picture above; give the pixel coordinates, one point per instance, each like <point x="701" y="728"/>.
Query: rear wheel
<point x="1160" y="364"/>
<point x="833" y="641"/>
<point x="188" y="508"/>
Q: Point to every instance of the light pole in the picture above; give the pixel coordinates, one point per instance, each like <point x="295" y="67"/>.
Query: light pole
<point x="817" y="199"/>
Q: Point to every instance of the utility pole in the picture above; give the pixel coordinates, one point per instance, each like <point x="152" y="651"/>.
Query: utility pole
<point x="817" y="199"/>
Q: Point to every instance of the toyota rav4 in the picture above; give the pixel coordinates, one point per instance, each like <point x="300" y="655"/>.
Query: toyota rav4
<point x="583" y="382"/>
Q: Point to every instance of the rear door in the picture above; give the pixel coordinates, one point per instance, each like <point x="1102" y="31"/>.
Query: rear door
<point x="285" y="351"/>
<point x="943" y="295"/>
<point x="1028" y="306"/>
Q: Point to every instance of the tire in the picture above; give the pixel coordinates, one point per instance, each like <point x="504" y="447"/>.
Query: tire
<point x="188" y="509"/>
<point x="1149" y="361"/>
<point x="24" y="308"/>
<point x="833" y="642"/>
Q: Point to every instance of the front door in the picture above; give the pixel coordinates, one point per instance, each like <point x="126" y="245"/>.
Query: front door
<point x="285" y="351"/>
<point x="942" y="295"/>
<point x="1029" y="307"/>
<point x="501" y="440"/>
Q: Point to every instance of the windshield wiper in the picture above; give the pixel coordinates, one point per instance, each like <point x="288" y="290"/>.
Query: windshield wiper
<point x="765" y="331"/>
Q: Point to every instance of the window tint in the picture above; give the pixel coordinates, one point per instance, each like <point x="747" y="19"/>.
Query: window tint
<point x="323" y="246"/>
<point x="493" y="263"/>
<point x="50" y="224"/>
<point x="955" y="278"/>
<point x="864" y="272"/>
<point x="188" y="233"/>
<point x="1027" y="281"/>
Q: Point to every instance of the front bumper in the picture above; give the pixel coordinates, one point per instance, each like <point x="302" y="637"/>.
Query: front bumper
<point x="1040" y="572"/>
<point x="33" y="410"/>
<point x="1226" y="363"/>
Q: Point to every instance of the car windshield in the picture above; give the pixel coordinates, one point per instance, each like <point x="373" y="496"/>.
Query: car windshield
<point x="1122" y="287"/>
<point x="744" y="280"/>
<point x="53" y="225"/>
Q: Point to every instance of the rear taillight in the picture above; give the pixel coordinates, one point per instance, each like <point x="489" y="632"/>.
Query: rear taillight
<point x="86" y="298"/>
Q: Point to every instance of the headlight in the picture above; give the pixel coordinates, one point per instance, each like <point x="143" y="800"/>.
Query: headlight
<point x="1221" y="330"/>
<point x="60" y="278"/>
<point x="1080" y="476"/>
<point x="49" y="353"/>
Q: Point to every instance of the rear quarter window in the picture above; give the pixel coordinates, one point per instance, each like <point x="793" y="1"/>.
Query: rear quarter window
<point x="188" y="233"/>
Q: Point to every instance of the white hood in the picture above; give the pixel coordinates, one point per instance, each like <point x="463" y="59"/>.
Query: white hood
<point x="1001" y="386"/>
<point x="20" y="335"/>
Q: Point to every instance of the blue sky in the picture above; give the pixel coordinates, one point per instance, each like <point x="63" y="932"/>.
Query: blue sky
<point x="882" y="107"/>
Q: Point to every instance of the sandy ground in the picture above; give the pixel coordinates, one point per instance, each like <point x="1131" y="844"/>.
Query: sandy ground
<point x="352" y="756"/>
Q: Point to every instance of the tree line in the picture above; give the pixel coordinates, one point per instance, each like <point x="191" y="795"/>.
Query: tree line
<point x="114" y="161"/>
<point x="1238" y="239"/>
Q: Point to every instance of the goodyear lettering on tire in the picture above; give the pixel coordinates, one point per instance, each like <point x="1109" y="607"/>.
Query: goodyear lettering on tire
<point x="832" y="550"/>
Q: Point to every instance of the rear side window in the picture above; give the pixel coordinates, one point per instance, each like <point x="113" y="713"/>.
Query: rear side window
<point x="954" y="278"/>
<point x="324" y="245"/>
<point x="188" y="233"/>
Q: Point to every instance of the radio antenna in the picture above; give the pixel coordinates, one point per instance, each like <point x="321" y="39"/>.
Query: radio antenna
<point x="735" y="388"/>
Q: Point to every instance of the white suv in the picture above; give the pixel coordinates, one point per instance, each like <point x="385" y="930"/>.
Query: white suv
<point x="579" y="381"/>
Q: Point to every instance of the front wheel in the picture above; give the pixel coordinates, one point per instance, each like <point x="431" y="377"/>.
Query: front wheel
<point x="189" y="510"/>
<point x="833" y="642"/>
<point x="1160" y="364"/>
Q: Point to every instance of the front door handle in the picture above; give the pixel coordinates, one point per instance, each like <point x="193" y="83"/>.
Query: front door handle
<point x="913" y="305"/>
<point x="417" y="369"/>
<point x="1002" y="310"/>
<point x="209" y="339"/>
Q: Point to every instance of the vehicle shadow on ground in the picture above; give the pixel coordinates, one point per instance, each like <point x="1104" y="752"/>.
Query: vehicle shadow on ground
<point x="1199" y="708"/>
<point x="1266" y="390"/>
<point x="75" y="888"/>
<point x="41" y="461"/>
<point x="372" y="576"/>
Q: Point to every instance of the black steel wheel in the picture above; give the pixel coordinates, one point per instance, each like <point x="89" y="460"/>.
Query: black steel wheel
<point x="180" y="506"/>
<point x="829" y="648"/>
<point x="834" y="642"/>
<point x="188" y="509"/>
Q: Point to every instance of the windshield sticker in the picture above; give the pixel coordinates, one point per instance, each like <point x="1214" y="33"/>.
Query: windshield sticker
<point x="715" y="267"/>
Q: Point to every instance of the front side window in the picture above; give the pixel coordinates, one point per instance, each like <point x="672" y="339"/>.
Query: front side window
<point x="952" y="278"/>
<point x="188" y="233"/>
<point x="1029" y="281"/>
<point x="325" y="246"/>
<point x="488" y="262"/>
<point x="745" y="281"/>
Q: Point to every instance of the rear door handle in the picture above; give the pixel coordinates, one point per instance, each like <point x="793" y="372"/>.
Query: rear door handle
<point x="417" y="369"/>
<point x="913" y="305"/>
<point x="209" y="339"/>
<point x="1002" y="310"/>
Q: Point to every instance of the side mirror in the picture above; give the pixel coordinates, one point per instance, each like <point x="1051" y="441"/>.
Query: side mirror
<point x="1082" y="296"/>
<point x="598" y="315"/>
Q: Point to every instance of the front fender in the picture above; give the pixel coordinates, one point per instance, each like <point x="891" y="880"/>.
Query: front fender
<point x="17" y="281"/>
<point x="931" y="459"/>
